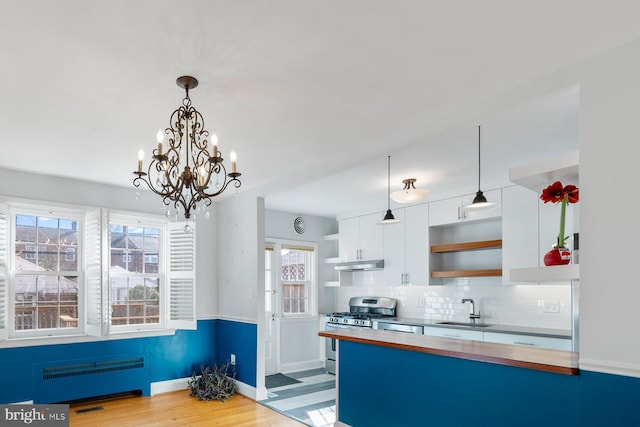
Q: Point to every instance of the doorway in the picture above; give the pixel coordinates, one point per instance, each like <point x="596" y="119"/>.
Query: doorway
<point x="290" y="304"/>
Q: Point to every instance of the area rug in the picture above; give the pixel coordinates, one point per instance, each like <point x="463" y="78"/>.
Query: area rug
<point x="278" y="380"/>
<point x="311" y="401"/>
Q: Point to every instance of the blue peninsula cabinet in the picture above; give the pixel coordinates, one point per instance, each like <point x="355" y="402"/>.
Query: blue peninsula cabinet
<point x="390" y="379"/>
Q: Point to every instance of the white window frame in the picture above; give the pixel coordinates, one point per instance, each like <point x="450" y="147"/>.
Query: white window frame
<point x="137" y="220"/>
<point x="312" y="275"/>
<point x="39" y="211"/>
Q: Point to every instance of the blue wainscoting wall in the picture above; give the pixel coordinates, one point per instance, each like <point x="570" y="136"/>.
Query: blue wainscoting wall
<point x="166" y="357"/>
<point x="241" y="339"/>
<point x="381" y="386"/>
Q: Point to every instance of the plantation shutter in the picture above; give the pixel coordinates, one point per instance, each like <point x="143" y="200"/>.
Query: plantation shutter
<point x="96" y="323"/>
<point x="4" y="272"/>
<point x="182" y="276"/>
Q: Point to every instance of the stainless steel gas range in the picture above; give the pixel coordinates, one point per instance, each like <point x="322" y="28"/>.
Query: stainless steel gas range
<point x="362" y="311"/>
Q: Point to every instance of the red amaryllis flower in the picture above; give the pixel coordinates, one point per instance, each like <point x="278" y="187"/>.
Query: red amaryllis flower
<point x="553" y="193"/>
<point x="556" y="193"/>
<point x="572" y="193"/>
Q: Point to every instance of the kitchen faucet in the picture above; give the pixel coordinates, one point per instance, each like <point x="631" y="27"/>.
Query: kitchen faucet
<point x="472" y="314"/>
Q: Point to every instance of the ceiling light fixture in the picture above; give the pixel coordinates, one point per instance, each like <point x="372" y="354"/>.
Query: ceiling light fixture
<point x="480" y="201"/>
<point x="191" y="170"/>
<point x="409" y="194"/>
<point x="388" y="217"/>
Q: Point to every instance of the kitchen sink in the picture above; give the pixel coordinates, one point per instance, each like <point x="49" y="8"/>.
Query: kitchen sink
<point x="467" y="324"/>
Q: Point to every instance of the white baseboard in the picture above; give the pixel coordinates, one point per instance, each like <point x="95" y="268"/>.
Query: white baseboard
<point x="170" y="385"/>
<point x="261" y="394"/>
<point x="247" y="390"/>
<point x="183" y="383"/>
<point x="301" y="366"/>
<point x="608" y="367"/>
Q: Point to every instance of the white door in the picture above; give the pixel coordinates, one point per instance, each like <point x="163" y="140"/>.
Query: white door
<point x="271" y="313"/>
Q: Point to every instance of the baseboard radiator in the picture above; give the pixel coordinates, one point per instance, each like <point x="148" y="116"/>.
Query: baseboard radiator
<point x="69" y="380"/>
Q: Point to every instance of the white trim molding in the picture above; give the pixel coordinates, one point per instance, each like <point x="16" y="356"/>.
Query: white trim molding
<point x="237" y="319"/>
<point x="609" y="367"/>
<point x="183" y="384"/>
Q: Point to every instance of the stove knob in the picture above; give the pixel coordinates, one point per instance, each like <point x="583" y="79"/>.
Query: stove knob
<point x="345" y="320"/>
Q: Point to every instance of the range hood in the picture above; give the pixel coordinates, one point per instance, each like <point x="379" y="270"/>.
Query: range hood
<point x="376" y="264"/>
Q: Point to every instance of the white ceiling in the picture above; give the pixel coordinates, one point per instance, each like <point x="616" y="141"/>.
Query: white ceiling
<point x="313" y="95"/>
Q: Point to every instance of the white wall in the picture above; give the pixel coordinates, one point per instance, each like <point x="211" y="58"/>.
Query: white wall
<point x="14" y="184"/>
<point x="241" y="257"/>
<point x="610" y="237"/>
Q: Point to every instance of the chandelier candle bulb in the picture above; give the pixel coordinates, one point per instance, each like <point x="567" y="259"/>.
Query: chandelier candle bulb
<point x="140" y="159"/>
<point x="160" y="139"/>
<point x="214" y="142"/>
<point x="233" y="157"/>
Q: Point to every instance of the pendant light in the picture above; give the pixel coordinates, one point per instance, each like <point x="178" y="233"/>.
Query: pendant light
<point x="480" y="201"/>
<point x="388" y="217"/>
<point x="409" y="194"/>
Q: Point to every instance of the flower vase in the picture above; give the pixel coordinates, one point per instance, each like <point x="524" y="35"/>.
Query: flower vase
<point x="557" y="256"/>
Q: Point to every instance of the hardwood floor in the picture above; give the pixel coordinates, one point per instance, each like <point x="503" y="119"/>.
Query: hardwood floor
<point x="177" y="409"/>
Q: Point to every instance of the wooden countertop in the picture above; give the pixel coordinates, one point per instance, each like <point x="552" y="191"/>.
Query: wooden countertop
<point x="558" y="361"/>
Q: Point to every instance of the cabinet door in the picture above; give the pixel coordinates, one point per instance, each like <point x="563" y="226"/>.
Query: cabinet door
<point x="445" y="211"/>
<point x="519" y="230"/>
<point x="371" y="237"/>
<point x="394" y="250"/>
<point x="416" y="247"/>
<point x="349" y="240"/>
<point x="461" y="334"/>
<point x="493" y="196"/>
<point x="529" y="340"/>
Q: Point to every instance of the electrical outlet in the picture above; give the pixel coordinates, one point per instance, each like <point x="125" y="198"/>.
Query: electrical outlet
<point x="233" y="359"/>
<point x="550" y="306"/>
<point x="421" y="302"/>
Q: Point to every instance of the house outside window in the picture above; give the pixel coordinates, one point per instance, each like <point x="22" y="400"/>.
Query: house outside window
<point x="297" y="279"/>
<point x="46" y="284"/>
<point x="135" y="282"/>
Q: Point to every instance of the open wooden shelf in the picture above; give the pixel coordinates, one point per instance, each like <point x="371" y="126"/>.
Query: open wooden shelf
<point x="467" y="246"/>
<point x="467" y="273"/>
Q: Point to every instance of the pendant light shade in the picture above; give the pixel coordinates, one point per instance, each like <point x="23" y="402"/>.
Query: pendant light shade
<point x="409" y="194"/>
<point x="480" y="201"/>
<point x="388" y="217"/>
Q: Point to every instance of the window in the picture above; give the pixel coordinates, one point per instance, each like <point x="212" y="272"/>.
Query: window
<point x="70" y="271"/>
<point x="297" y="279"/>
<point x="135" y="282"/>
<point x="46" y="281"/>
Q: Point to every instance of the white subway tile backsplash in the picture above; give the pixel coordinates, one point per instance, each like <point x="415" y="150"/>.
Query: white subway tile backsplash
<point x="520" y="305"/>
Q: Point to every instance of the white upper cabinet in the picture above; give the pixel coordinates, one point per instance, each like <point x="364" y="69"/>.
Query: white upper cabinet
<point x="417" y="245"/>
<point x="394" y="250"/>
<point x="406" y="247"/>
<point x="371" y="237"/>
<point x="349" y="239"/>
<point x="361" y="238"/>
<point x="520" y="240"/>
<point x="450" y="211"/>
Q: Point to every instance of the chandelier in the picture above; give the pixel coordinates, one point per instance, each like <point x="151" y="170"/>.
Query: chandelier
<point x="190" y="169"/>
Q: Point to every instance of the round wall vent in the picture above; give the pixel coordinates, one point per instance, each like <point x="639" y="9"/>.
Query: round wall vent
<point x="298" y="225"/>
